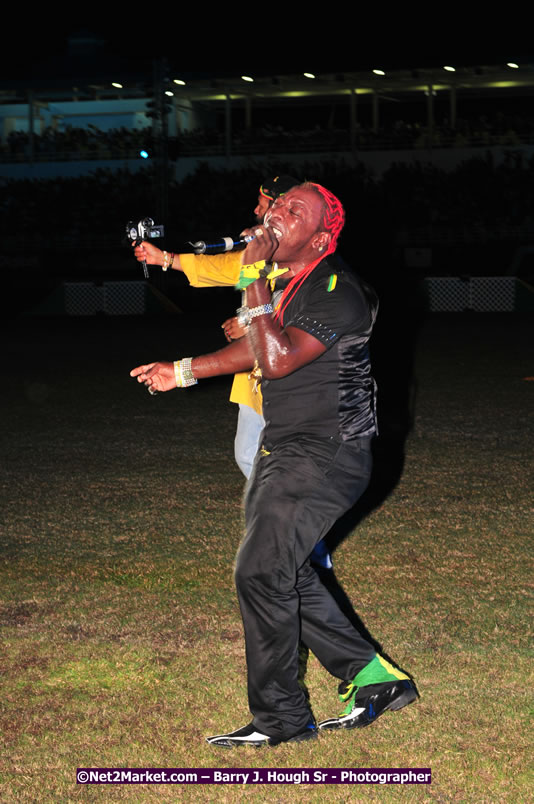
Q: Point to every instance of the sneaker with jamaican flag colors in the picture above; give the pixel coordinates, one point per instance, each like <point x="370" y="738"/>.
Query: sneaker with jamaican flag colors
<point x="379" y="686"/>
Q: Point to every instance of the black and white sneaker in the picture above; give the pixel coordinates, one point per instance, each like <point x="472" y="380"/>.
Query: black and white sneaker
<point x="366" y="704"/>
<point x="249" y="735"/>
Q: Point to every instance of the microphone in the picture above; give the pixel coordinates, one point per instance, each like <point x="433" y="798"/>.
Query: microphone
<point x="220" y="246"/>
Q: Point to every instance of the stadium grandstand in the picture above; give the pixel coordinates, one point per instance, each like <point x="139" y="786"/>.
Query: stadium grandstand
<point x="435" y="164"/>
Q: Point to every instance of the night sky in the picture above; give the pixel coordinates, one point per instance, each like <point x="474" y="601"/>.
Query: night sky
<point x="204" y="47"/>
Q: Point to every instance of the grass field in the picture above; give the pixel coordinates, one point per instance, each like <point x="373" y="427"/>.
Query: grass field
<point x="121" y="636"/>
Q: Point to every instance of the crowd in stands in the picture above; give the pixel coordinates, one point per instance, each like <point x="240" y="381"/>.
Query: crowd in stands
<point x="90" y="142"/>
<point x="482" y="131"/>
<point x="75" y="142"/>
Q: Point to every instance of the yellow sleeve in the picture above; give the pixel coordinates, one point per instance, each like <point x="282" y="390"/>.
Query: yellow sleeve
<point x="220" y="270"/>
<point x="212" y="270"/>
<point x="243" y="394"/>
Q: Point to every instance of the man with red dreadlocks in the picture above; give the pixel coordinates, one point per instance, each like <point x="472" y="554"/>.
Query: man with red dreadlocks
<point x="309" y="323"/>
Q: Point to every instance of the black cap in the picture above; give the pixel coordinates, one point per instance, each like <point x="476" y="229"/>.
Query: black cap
<point x="277" y="186"/>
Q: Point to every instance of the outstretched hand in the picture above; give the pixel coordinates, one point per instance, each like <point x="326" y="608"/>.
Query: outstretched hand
<point x="156" y="376"/>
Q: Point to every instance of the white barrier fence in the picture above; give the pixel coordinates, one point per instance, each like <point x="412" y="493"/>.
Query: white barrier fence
<point x="443" y="294"/>
<point x="482" y="294"/>
<point x="111" y="298"/>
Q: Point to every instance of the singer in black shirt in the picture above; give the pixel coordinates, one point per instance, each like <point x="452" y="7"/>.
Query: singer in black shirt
<point x="314" y="464"/>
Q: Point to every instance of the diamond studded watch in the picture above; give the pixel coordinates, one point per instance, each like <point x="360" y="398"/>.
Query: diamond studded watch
<point x="246" y="314"/>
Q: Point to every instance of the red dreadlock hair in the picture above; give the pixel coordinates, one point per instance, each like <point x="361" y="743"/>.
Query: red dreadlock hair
<point x="332" y="222"/>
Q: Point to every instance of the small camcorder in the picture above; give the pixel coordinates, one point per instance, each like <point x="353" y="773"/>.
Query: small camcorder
<point x="146" y="229"/>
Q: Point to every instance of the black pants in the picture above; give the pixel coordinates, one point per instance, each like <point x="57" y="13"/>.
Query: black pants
<point x="294" y="496"/>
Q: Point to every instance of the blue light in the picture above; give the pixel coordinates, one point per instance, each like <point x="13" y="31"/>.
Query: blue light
<point x="143" y="154"/>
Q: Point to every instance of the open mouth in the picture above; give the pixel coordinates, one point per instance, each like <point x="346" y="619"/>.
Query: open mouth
<point x="277" y="232"/>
